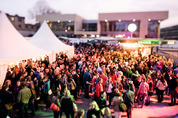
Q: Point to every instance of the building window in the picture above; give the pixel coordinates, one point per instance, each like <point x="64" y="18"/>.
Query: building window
<point x="90" y="26"/>
<point x="152" y="26"/>
<point x="110" y="26"/>
<point x="123" y="26"/>
<point x="152" y="29"/>
<point x="62" y="26"/>
<point x="20" y="19"/>
<point x="19" y="26"/>
<point x="26" y="26"/>
<point x="120" y="26"/>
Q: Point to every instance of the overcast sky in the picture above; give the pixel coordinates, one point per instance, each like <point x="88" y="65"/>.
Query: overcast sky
<point x="89" y="9"/>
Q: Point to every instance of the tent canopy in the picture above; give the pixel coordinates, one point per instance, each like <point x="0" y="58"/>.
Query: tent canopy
<point x="45" y="38"/>
<point x="13" y="46"/>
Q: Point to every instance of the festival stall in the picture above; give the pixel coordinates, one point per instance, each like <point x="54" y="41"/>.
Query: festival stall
<point x="14" y="47"/>
<point x="45" y="39"/>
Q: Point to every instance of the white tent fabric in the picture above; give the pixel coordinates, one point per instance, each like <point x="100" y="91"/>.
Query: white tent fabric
<point x="3" y="71"/>
<point x="45" y="38"/>
<point x="13" y="46"/>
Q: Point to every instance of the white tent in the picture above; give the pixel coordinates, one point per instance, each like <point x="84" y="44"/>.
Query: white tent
<point x="14" y="47"/>
<point x="45" y="38"/>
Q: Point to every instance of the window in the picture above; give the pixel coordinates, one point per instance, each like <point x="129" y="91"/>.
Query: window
<point x="110" y="26"/>
<point x="19" y="26"/>
<point x="152" y="29"/>
<point x="152" y="26"/>
<point x="62" y="26"/>
<point x="90" y="26"/>
<point x="120" y="26"/>
<point x="20" y="19"/>
<point x="123" y="26"/>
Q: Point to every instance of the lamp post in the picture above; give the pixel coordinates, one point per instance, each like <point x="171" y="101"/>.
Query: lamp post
<point x="132" y="27"/>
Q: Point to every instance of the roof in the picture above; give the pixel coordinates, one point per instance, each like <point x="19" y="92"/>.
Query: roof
<point x="45" y="39"/>
<point x="13" y="46"/>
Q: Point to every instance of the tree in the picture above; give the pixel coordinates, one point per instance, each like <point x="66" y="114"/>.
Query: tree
<point x="40" y="8"/>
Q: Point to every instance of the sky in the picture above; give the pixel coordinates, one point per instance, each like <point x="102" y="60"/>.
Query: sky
<point x="89" y="9"/>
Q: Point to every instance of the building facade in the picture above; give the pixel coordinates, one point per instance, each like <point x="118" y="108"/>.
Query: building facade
<point x="70" y="25"/>
<point x="170" y="33"/>
<point x="108" y="24"/>
<point x="19" y="23"/>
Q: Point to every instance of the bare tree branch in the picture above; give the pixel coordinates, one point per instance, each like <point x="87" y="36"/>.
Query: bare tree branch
<point x="40" y="8"/>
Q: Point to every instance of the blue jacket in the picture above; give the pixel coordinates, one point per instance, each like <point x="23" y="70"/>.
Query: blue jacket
<point x="37" y="74"/>
<point x="86" y="77"/>
<point x="47" y="87"/>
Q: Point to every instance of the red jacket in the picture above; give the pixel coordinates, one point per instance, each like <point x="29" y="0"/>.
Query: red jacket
<point x="104" y="78"/>
<point x="114" y="78"/>
<point x="99" y="89"/>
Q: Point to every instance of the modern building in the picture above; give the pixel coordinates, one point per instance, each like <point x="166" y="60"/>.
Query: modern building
<point x="108" y="24"/>
<point x="19" y="23"/>
<point x="70" y="25"/>
<point x="170" y="33"/>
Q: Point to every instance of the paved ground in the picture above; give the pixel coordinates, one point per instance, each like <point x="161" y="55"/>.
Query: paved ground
<point x="154" y="110"/>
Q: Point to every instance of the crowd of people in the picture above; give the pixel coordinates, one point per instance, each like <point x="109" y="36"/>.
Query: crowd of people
<point x="112" y="75"/>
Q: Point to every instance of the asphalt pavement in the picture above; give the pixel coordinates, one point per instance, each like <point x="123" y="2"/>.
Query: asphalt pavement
<point x="154" y="110"/>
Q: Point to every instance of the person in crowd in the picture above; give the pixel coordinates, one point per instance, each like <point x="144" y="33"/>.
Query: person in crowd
<point x="107" y="113"/>
<point x="67" y="102"/>
<point x="99" y="88"/>
<point x="157" y="67"/>
<point x="71" y="86"/>
<point x="37" y="72"/>
<point x="6" y="99"/>
<point x="172" y="86"/>
<point x="86" y="80"/>
<point x="23" y="99"/>
<point x="150" y="91"/>
<point x="56" y="100"/>
<point x="32" y="99"/>
<point x="102" y="102"/>
<point x="80" y="76"/>
<point x="168" y="79"/>
<point x="37" y="91"/>
<point x="108" y="88"/>
<point x="94" y="82"/>
<point x="129" y="82"/>
<point x="129" y="101"/>
<point x="123" y="82"/>
<point x="75" y="77"/>
<point x="47" y="92"/>
<point x="16" y="72"/>
<point x="137" y="84"/>
<point x="117" y="100"/>
<point x="94" y="110"/>
<point x="142" y="91"/>
<point x="161" y="85"/>
<point x="80" y="113"/>
<point x="103" y="77"/>
<point x="16" y="90"/>
<point x="113" y="75"/>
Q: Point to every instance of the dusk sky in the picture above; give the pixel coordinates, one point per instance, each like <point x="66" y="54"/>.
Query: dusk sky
<point x="89" y="9"/>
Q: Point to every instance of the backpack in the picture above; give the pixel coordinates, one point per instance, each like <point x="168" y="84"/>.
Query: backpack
<point x="122" y="107"/>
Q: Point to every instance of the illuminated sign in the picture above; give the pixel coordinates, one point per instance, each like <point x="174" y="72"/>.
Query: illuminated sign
<point x="149" y="42"/>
